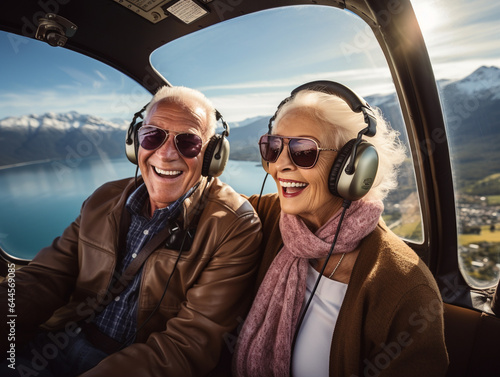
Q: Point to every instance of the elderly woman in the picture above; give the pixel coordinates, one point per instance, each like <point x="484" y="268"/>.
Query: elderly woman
<point x="373" y="308"/>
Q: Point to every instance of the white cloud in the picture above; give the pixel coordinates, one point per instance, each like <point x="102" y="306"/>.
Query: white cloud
<point x="465" y="32"/>
<point x="459" y="70"/>
<point x="100" y="74"/>
<point x="107" y="105"/>
<point x="247" y="99"/>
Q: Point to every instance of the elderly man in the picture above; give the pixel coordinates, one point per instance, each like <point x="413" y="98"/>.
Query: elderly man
<point x="149" y="279"/>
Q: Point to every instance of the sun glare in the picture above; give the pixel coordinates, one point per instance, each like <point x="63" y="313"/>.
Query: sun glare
<point x="428" y="15"/>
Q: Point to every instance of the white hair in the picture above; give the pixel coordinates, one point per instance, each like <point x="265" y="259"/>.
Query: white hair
<point x="188" y="98"/>
<point x="342" y="124"/>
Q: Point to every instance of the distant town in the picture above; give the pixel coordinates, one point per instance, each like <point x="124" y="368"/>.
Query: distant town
<point x="480" y="255"/>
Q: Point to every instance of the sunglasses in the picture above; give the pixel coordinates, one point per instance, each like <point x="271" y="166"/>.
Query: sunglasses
<point x="303" y="152"/>
<point x="152" y="137"/>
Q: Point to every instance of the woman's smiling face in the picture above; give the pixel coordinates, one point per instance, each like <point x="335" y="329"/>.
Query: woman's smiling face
<point x="304" y="192"/>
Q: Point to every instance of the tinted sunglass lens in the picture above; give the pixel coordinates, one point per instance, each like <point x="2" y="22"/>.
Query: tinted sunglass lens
<point x="263" y="147"/>
<point x="303" y="152"/>
<point x="189" y="145"/>
<point x="151" y="138"/>
<point x="270" y="147"/>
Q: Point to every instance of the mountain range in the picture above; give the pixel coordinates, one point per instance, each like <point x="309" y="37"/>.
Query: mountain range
<point x="472" y="111"/>
<point x="70" y="136"/>
<point x="471" y="108"/>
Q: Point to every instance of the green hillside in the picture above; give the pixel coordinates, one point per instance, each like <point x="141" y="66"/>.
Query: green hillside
<point x="484" y="187"/>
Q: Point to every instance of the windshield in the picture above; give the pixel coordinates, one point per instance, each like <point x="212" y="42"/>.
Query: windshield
<point x="247" y="66"/>
<point x="63" y="116"/>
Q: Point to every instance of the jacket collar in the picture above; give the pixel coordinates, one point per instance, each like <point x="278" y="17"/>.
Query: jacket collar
<point x="194" y="204"/>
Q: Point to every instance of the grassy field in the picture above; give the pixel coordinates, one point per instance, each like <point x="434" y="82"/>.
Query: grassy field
<point x="410" y="231"/>
<point x="486" y="235"/>
<point x="493" y="200"/>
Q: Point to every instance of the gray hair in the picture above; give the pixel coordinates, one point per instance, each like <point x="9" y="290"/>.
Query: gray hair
<point x="186" y="97"/>
<point x="342" y="124"/>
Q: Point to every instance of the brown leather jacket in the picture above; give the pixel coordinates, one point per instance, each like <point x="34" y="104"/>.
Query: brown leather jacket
<point x="68" y="281"/>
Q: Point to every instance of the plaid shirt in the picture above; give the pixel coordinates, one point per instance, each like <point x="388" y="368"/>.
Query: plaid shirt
<point x="119" y="318"/>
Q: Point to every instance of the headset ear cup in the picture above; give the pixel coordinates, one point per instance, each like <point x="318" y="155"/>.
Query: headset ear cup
<point x="354" y="186"/>
<point x="216" y="156"/>
<point x="131" y="143"/>
<point x="338" y="166"/>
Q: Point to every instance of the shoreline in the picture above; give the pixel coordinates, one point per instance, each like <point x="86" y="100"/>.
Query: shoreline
<point x="27" y="163"/>
<point x="19" y="164"/>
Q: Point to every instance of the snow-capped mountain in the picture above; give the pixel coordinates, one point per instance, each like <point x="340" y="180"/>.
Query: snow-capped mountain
<point x="472" y="113"/>
<point x="248" y="121"/>
<point x="54" y="136"/>
<point x="484" y="80"/>
<point x="65" y="121"/>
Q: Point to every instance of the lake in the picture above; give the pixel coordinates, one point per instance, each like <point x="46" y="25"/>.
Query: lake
<point x="38" y="201"/>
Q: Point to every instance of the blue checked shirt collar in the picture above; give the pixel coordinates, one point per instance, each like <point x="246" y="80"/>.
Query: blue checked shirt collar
<point x="138" y="200"/>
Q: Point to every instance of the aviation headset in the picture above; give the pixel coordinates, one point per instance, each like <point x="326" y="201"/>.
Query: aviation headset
<point x="353" y="171"/>
<point x="216" y="152"/>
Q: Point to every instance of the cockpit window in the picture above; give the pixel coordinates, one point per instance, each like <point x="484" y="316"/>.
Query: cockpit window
<point x="248" y="65"/>
<point x="63" y="118"/>
<point x="469" y="85"/>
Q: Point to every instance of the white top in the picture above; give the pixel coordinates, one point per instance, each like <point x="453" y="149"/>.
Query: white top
<point x="311" y="355"/>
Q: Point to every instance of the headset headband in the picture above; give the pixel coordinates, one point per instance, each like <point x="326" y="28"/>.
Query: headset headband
<point x="355" y="102"/>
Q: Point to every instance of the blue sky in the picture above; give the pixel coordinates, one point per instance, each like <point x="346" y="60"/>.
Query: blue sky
<point x="37" y="78"/>
<point x="247" y="66"/>
<point x="304" y="44"/>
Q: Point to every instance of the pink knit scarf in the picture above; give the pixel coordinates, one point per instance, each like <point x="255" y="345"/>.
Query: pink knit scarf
<point x="264" y="344"/>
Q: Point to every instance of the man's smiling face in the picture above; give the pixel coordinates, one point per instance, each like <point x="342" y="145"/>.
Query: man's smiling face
<point x="168" y="174"/>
